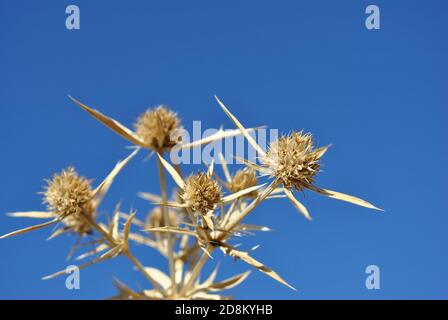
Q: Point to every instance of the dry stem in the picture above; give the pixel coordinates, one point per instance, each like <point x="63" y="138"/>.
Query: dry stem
<point x="198" y="267"/>
<point x="166" y="219"/>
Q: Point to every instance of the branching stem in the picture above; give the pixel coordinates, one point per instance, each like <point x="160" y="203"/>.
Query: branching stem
<point x="126" y="252"/>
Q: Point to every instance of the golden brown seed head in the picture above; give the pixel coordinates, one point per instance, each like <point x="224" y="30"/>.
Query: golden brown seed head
<point x="156" y="126"/>
<point x="243" y="179"/>
<point x="293" y="160"/>
<point x="201" y="193"/>
<point x="68" y="195"/>
<point x="155" y="219"/>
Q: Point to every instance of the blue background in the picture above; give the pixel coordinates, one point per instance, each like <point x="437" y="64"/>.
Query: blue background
<point x="379" y="96"/>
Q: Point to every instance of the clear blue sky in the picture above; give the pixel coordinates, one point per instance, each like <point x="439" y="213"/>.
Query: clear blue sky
<point x="379" y="96"/>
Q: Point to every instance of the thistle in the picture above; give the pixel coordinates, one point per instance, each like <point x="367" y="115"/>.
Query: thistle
<point x="201" y="193"/>
<point x="293" y="162"/>
<point x="70" y="200"/>
<point x="70" y="197"/>
<point x="205" y="216"/>
<point x="156" y="127"/>
<point x="209" y="235"/>
<point x="156" y="219"/>
<point x="243" y="179"/>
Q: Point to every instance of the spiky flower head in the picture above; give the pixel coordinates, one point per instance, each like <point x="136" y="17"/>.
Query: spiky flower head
<point x="69" y="195"/>
<point x="155" y="219"/>
<point x="243" y="179"/>
<point x="293" y="159"/>
<point x="156" y="126"/>
<point x="201" y="193"/>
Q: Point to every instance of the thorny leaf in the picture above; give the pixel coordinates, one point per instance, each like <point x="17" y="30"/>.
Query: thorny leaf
<point x="230" y="282"/>
<point x="171" y="204"/>
<point x="250" y="227"/>
<point x="28" y="229"/>
<point x="242" y="129"/>
<point x="173" y="172"/>
<point x="258" y="265"/>
<point x="109" y="254"/>
<point x="241" y="193"/>
<point x="220" y="134"/>
<point x="104" y="186"/>
<point x="135" y="221"/>
<point x="150" y="197"/>
<point x="162" y="279"/>
<point x="225" y="169"/>
<point x="297" y="203"/>
<point x="344" y="197"/>
<point x="125" y="292"/>
<point x="32" y="214"/>
<point x="112" y="124"/>
<point x="56" y="233"/>
<point x="94" y="251"/>
<point x="210" y="169"/>
<point x="127" y="229"/>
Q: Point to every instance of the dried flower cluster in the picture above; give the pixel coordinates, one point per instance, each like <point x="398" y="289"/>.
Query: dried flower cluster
<point x="293" y="160"/>
<point x="156" y="126"/>
<point x="243" y="179"/>
<point x="201" y="193"/>
<point x="200" y="218"/>
<point x="70" y="196"/>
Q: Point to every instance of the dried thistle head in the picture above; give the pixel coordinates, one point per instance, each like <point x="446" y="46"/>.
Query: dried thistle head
<point x="243" y="179"/>
<point x="293" y="159"/>
<point x="155" y="219"/>
<point x="155" y="127"/>
<point x="201" y="193"/>
<point x="69" y="195"/>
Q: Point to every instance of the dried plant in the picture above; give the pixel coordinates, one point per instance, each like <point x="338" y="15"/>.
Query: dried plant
<point x="199" y="218"/>
<point x="156" y="126"/>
